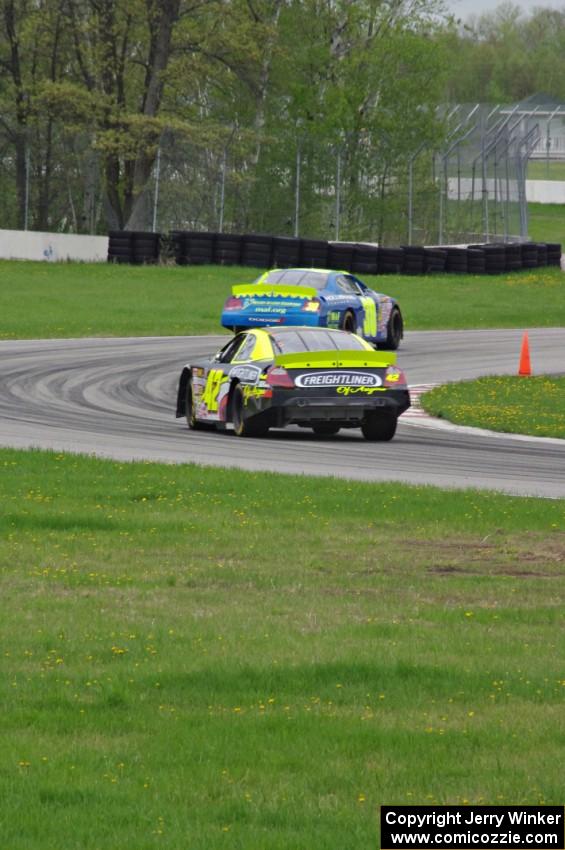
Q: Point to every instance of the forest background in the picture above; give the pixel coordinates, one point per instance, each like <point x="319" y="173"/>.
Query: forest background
<point x="235" y="103"/>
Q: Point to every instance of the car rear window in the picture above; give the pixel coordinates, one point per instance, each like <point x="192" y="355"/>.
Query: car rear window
<point x="297" y="277"/>
<point x="315" y="339"/>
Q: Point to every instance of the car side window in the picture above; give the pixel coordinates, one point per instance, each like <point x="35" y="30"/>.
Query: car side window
<point x="348" y="285"/>
<point x="245" y="351"/>
<point x="226" y="354"/>
<point x="359" y="283"/>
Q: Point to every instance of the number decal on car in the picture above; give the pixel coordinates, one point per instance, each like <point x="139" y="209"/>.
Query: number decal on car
<point x="370" y="318"/>
<point x="212" y="388"/>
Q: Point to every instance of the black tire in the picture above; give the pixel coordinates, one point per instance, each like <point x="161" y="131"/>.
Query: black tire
<point x="244" y="427"/>
<point x="120" y="242"/>
<point x="325" y="429"/>
<point x="395" y="329"/>
<point x="349" y="323"/>
<point x="119" y="251"/>
<point x="379" y="427"/>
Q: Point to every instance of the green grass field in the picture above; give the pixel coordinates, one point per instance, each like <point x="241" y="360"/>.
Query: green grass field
<point x="542" y="169"/>
<point x="546" y="222"/>
<point x="184" y="665"/>
<point x="40" y="300"/>
<point x="517" y="405"/>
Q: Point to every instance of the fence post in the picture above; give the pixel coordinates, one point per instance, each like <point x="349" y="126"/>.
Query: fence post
<point x="157" y="178"/>
<point x="222" y="191"/>
<point x="297" y="192"/>
<point x="337" y="194"/>
<point x="26" y="201"/>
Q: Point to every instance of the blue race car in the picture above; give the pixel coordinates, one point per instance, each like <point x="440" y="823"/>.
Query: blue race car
<point x="315" y="298"/>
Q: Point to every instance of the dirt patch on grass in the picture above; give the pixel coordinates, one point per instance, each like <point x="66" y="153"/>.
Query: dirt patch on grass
<point x="527" y="556"/>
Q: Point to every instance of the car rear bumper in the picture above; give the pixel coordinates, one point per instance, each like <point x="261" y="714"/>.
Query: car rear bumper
<point x="287" y="408"/>
<point x="234" y="319"/>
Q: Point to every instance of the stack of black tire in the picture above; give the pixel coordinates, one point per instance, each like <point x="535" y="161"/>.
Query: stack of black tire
<point x="434" y="260"/>
<point x="456" y="260"/>
<point x="365" y="259"/>
<point x="227" y="249"/>
<point x="286" y="252"/>
<point x="314" y="253"/>
<point x="340" y="255"/>
<point x="192" y="248"/>
<point x="257" y="250"/>
<point x="133" y="246"/>
<point x="391" y="260"/>
<point x="263" y="251"/>
<point x="414" y="260"/>
<point x="476" y="261"/>
<point x="493" y="258"/>
<point x="553" y="254"/>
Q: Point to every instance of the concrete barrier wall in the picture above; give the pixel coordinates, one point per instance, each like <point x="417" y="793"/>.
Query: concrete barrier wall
<point x="546" y="191"/>
<point x="538" y="191"/>
<point x="33" y="245"/>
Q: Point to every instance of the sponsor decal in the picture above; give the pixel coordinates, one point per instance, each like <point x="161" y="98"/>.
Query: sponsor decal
<point x="338" y="379"/>
<point x="264" y="306"/>
<point x="253" y="392"/>
<point x="354" y="390"/>
<point x="246" y="374"/>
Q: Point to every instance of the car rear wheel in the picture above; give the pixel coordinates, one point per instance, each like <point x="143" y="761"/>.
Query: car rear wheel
<point x="325" y="429"/>
<point x="241" y="426"/>
<point x="394" y="330"/>
<point x="379" y="427"/>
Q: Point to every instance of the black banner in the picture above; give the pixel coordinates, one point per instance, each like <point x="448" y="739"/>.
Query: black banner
<point x="472" y="827"/>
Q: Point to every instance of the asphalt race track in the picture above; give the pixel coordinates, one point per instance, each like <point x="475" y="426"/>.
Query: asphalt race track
<point x="116" y="398"/>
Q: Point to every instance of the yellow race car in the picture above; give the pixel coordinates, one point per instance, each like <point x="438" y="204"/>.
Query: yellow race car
<point x="316" y="378"/>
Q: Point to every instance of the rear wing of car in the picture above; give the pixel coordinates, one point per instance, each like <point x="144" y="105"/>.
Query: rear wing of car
<point x="275" y="290"/>
<point x="336" y="359"/>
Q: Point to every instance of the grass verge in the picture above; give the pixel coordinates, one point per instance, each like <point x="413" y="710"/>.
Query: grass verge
<point x="41" y="300"/>
<point x="516" y="405"/>
<point x="546" y="222"/>
<point x="212" y="658"/>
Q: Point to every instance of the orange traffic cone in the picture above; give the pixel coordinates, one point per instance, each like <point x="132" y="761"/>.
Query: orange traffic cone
<point x="525" y="367"/>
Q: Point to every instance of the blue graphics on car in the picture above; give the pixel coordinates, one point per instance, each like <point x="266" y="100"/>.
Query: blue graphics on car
<point x="315" y="298"/>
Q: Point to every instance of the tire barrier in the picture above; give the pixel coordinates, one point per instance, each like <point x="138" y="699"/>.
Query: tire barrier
<point x="189" y="247"/>
<point x="133" y="246"/>
<point x="314" y="253"/>
<point x="286" y="252"/>
<point x="414" y="260"/>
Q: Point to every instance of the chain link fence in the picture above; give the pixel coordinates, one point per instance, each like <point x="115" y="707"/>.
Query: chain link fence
<point x="470" y="188"/>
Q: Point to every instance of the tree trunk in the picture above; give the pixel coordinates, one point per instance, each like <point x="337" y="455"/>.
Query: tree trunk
<point x="19" y="134"/>
<point x="162" y="16"/>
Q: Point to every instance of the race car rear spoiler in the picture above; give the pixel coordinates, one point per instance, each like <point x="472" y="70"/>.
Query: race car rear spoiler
<point x="273" y="289"/>
<point x="336" y="359"/>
